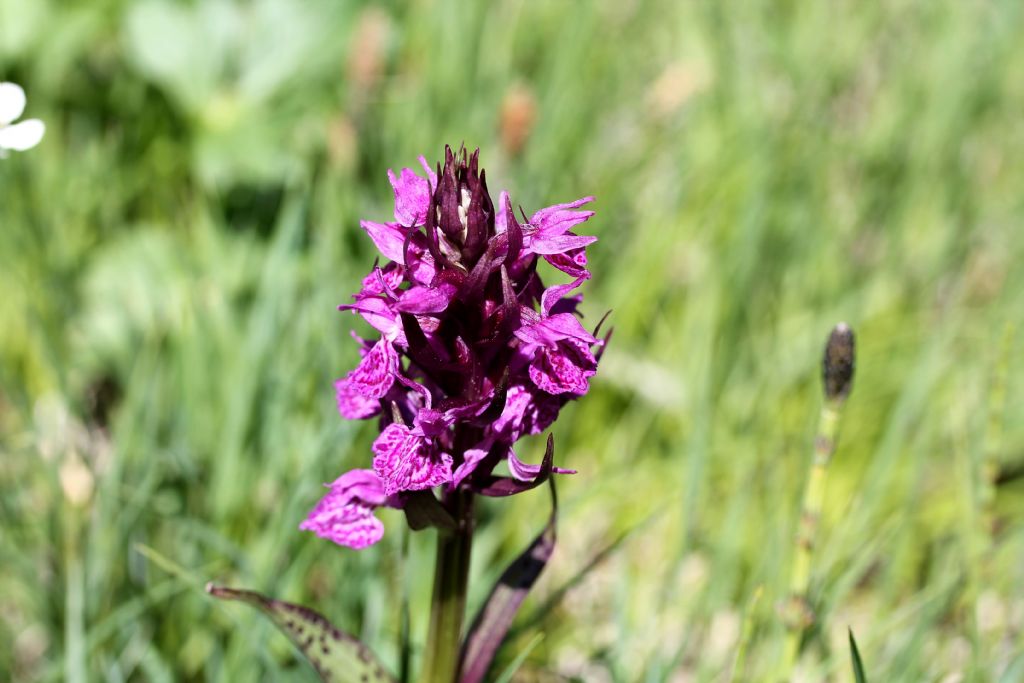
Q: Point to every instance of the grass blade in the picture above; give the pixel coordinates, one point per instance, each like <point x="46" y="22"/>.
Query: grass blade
<point x="858" y="665"/>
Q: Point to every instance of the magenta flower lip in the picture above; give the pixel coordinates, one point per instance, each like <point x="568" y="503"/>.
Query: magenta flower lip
<point x="474" y="352"/>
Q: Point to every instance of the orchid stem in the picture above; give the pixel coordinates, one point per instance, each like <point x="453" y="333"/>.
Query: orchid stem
<point x="448" y="608"/>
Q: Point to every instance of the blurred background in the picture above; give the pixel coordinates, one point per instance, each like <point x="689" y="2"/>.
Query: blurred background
<point x="172" y="254"/>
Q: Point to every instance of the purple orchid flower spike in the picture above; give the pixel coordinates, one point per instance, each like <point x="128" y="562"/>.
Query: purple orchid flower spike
<point x="473" y="352"/>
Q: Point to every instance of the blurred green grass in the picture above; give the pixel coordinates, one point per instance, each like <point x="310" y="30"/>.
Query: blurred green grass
<point x="171" y="256"/>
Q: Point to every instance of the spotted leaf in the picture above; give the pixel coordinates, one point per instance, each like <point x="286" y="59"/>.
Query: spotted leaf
<point x="337" y="656"/>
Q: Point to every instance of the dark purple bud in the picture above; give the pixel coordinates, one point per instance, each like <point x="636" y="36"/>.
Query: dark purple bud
<point x="479" y="214"/>
<point x="839" y="362"/>
<point x="473" y="287"/>
<point x="461" y="213"/>
<point x="510" y="303"/>
<point x="448" y="198"/>
<point x="515" y="235"/>
<point x="433" y="233"/>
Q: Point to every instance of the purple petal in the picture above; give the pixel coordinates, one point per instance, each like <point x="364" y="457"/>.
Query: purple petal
<point x="353" y="405"/>
<point x="525" y="412"/>
<point x="412" y="197"/>
<point x="418" y="388"/>
<point x="568" y="304"/>
<point x="553" y="329"/>
<point x="470" y="459"/>
<point x="463" y="408"/>
<point x="552" y="295"/>
<point x="422" y="300"/>
<point x="500" y="224"/>
<point x="345" y="514"/>
<point x="556" y="220"/>
<point x="405" y="461"/>
<point x="376" y="371"/>
<point x="381" y="282"/>
<point x="388" y="237"/>
<point x="524" y="471"/>
<point x="432" y="422"/>
<point x="517" y="402"/>
<point x="572" y="263"/>
<point x="431" y="176"/>
<point x="521" y="470"/>
<point x="381" y="315"/>
<point x="560" y="244"/>
<point x="510" y="486"/>
<point x="362" y="484"/>
<point x="419" y="264"/>
<point x="564" y="369"/>
<point x="350" y="524"/>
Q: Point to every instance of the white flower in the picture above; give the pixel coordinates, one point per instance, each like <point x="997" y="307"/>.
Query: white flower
<point x="19" y="136"/>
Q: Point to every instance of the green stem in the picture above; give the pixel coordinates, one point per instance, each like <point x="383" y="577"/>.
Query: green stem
<point x="448" y="607"/>
<point x="798" y="610"/>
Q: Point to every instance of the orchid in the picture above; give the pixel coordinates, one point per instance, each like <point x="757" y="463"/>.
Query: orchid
<point x="471" y="353"/>
<point x="474" y="352"/>
<point x="16" y="136"/>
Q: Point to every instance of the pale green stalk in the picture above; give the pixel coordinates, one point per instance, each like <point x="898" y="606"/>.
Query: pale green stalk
<point x="799" y="612"/>
<point x="838" y="375"/>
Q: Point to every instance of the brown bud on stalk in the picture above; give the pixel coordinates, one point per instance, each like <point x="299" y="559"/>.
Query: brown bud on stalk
<point x="839" y="363"/>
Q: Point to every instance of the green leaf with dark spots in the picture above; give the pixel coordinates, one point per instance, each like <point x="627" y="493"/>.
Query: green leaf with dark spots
<point x="337" y="656"/>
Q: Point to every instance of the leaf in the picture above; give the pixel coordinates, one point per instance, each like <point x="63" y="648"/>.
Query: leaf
<point x="423" y="510"/>
<point x="337" y="656"/>
<point x="495" y="617"/>
<point x="858" y="666"/>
